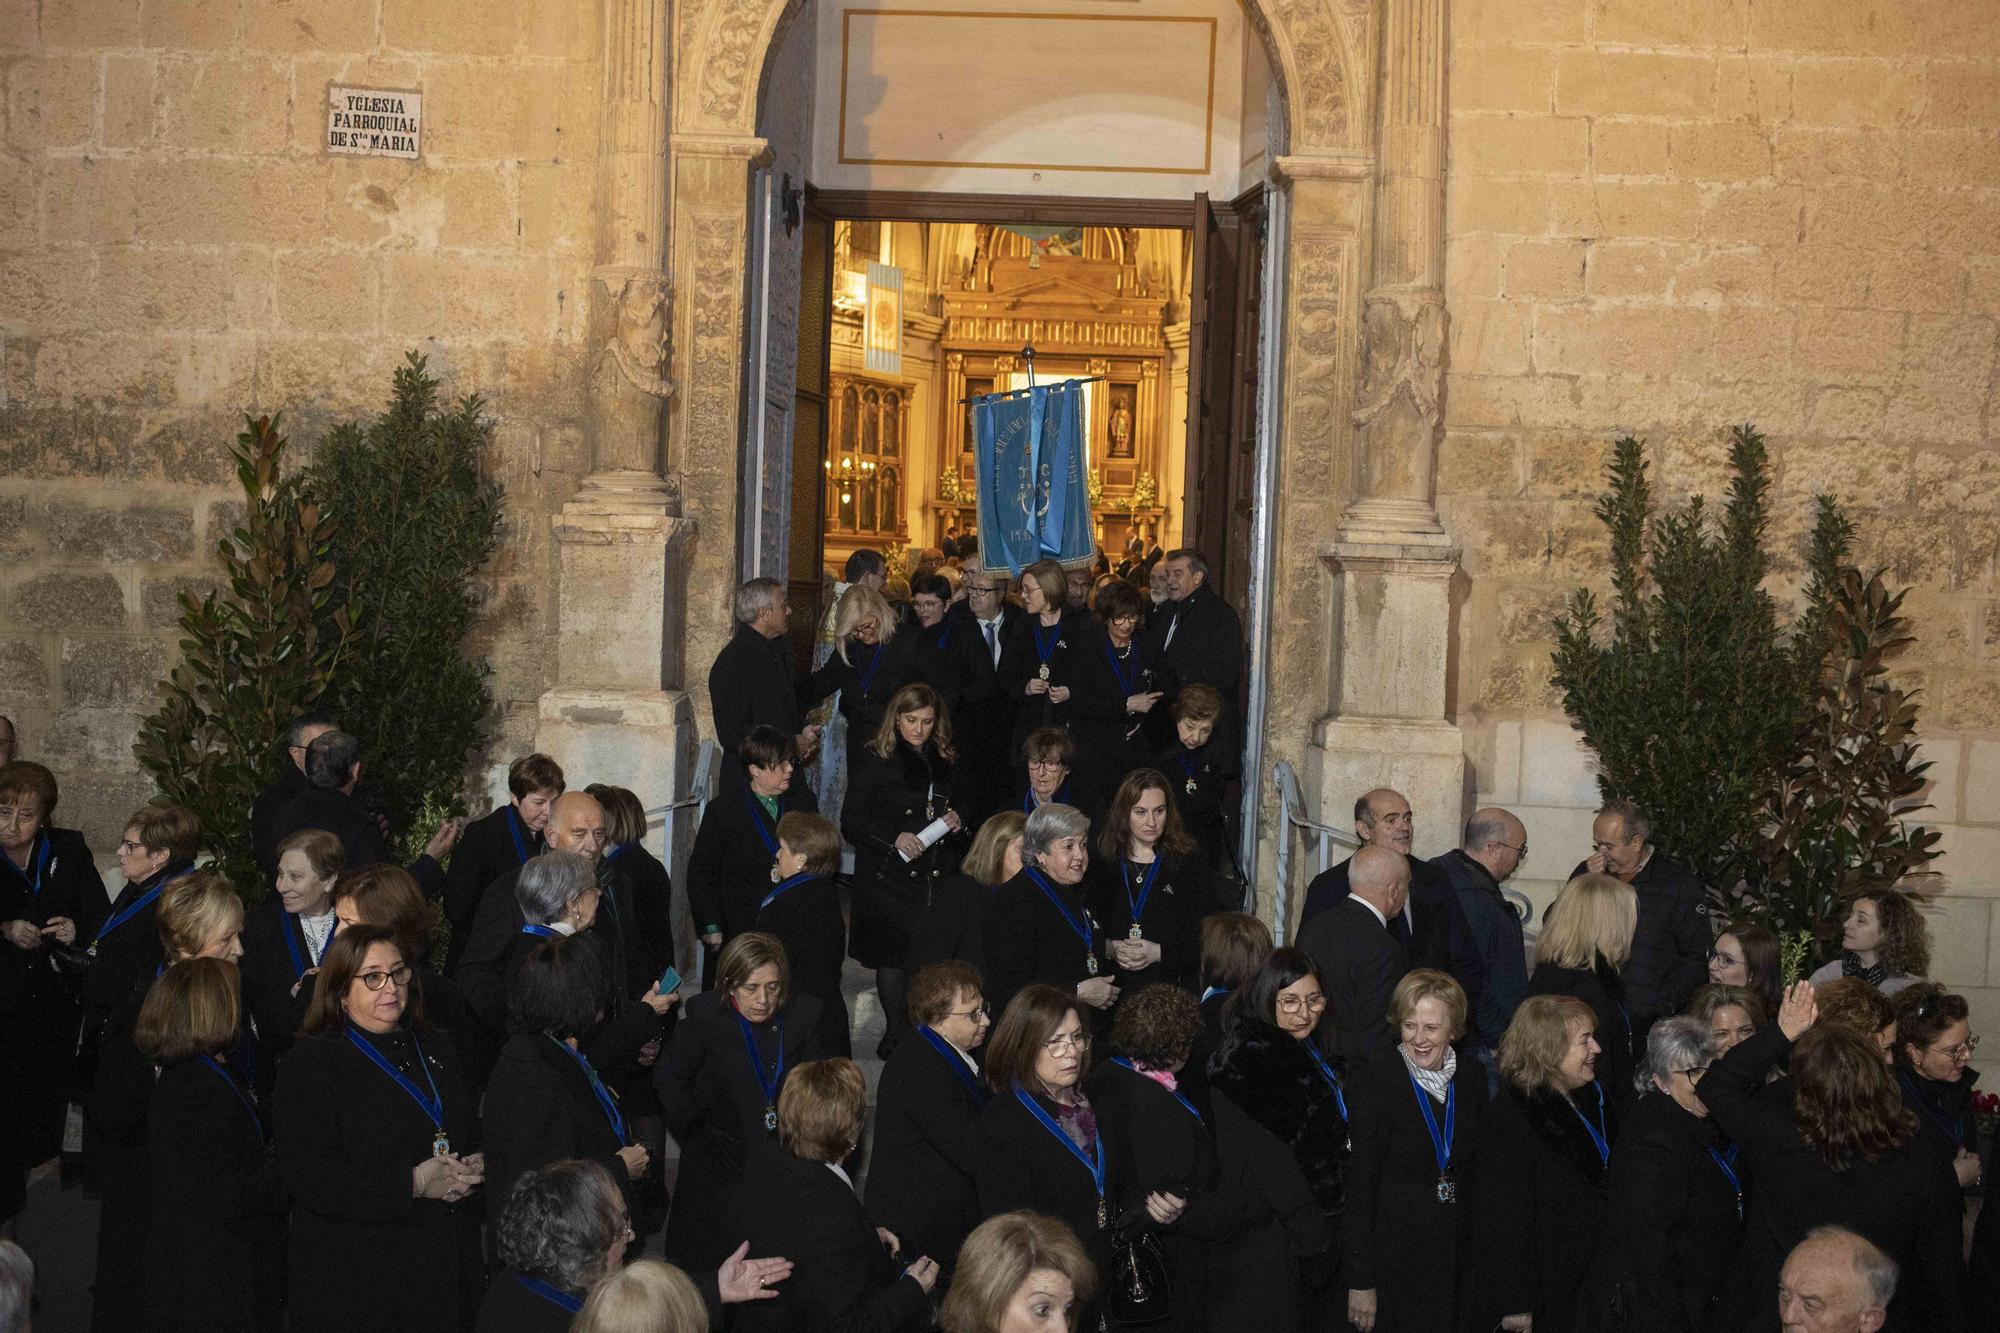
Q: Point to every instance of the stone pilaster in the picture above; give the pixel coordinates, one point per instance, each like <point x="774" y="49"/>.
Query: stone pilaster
<point x="1392" y="565"/>
<point x="615" y="714"/>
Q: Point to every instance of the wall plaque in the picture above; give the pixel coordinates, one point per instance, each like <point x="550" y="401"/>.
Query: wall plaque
<point x="374" y="122"/>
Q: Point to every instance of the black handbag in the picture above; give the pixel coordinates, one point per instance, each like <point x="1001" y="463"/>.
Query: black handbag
<point x="1140" y="1290"/>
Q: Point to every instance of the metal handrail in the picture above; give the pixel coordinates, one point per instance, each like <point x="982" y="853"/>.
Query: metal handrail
<point x="1320" y="838"/>
<point x="700" y="788"/>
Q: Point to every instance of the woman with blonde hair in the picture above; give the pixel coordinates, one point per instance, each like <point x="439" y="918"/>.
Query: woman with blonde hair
<point x="1417" y="1124"/>
<point x="1018" y="1272"/>
<point x="285" y="937"/>
<point x="198" y="916"/>
<point x="900" y="820"/>
<point x="1540" y="1190"/>
<point x="953" y="922"/>
<point x="868" y="665"/>
<point x="216" y="1201"/>
<point x="647" y="1296"/>
<point x="1583" y="948"/>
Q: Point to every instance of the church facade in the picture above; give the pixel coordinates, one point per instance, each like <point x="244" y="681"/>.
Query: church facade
<point x="1497" y="233"/>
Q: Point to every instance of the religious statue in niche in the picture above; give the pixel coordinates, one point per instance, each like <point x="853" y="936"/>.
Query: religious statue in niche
<point x="1118" y="425"/>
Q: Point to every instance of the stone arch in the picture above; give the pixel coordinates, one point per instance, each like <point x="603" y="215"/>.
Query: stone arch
<point x="722" y="47"/>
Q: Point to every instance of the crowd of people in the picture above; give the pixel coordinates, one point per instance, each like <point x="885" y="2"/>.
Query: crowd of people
<point x="441" y="1095"/>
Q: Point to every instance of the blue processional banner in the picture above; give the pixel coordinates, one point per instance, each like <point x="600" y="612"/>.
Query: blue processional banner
<point x="1034" y="503"/>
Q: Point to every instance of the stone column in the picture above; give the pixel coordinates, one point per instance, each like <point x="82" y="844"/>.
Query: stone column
<point x="1392" y="564"/>
<point x="614" y="714"/>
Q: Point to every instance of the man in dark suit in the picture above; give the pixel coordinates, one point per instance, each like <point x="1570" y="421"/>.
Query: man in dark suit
<point x="1196" y="637"/>
<point x="1670" y="948"/>
<point x="290" y="782"/>
<point x="1494" y="844"/>
<point x="947" y="649"/>
<point x="333" y="767"/>
<point x="1359" y="960"/>
<point x="983" y="726"/>
<point x="753" y="682"/>
<point x="1432" y="925"/>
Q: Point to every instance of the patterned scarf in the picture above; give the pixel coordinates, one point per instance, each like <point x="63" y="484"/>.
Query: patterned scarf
<point x="1434" y="1081"/>
<point x="1850" y="966"/>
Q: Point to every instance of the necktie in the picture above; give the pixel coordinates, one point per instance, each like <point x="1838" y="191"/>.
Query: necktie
<point x="1172" y="625"/>
<point x="992" y="640"/>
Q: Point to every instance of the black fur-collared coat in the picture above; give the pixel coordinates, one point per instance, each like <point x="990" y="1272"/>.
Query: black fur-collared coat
<point x="1539" y="1208"/>
<point x="1281" y="1142"/>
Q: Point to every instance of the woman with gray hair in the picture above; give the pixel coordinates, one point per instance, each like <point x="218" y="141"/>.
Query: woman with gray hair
<point x="1038" y="927"/>
<point x="1674" y="1221"/>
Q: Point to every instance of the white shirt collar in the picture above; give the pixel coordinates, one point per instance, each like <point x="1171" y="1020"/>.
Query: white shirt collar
<point x="840" y="1171"/>
<point x="562" y="927"/>
<point x="1373" y="910"/>
<point x="969" y="1064"/>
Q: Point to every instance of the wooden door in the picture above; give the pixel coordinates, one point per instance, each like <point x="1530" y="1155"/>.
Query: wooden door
<point x="805" y="582"/>
<point x="1212" y="370"/>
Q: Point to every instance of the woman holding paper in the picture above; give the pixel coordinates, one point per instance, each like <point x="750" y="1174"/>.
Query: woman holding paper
<point x="898" y="815"/>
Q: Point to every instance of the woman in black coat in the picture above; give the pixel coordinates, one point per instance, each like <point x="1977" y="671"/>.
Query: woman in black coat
<point x="157" y="848"/>
<point x="1539" y="1194"/>
<point x="1233" y="946"/>
<point x="546" y="1102"/>
<point x="215" y="1257"/>
<point x="1202" y="773"/>
<point x="196" y="916"/>
<point x="1584" y="942"/>
<point x="51" y="900"/>
<point x="501" y="841"/>
<point x="802" y="910"/>
<point x="719" y="1082"/>
<point x="1281" y="1136"/>
<point x="1934" y="1045"/>
<point x="558" y="1230"/>
<point x="283" y="941"/>
<point x="1674" y="1220"/>
<point x="922" y="1166"/>
<point x="1149" y="887"/>
<point x="797" y="1200"/>
<point x="1417" y="1121"/>
<point x="1159" y="1140"/>
<point x="954" y="924"/>
<point x="375" y="1129"/>
<point x="1834" y="1145"/>
<point x="900" y="789"/>
<point x="870" y="661"/>
<point x="1035" y="658"/>
<point x="1039" y="927"/>
<point x="1043" y="1147"/>
<point x="1112" y="692"/>
<point x="729" y="870"/>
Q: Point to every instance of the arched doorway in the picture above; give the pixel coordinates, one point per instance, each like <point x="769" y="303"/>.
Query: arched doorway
<point x="1351" y="609"/>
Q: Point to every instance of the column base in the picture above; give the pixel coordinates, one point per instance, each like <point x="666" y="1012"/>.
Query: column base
<point x="619" y="605"/>
<point x="1423" y="760"/>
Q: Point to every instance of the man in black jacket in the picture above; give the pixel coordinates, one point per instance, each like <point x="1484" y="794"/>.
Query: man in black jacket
<point x="1359" y="960"/>
<point x="333" y="767"/>
<point x="1432" y="926"/>
<point x="291" y="782"/>
<point x="501" y="841"/>
<point x="1670" y="948"/>
<point x="1494" y="845"/>
<point x="1196" y="637"/>
<point x="753" y="682"/>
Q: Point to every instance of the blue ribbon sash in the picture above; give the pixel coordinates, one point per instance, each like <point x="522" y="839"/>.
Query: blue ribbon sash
<point x="432" y="1106"/>
<point x="133" y="908"/>
<point x="780" y="890"/>
<point x="553" y="1295"/>
<point x="1127" y="686"/>
<point x="1093" y="1163"/>
<point x="949" y="1054"/>
<point x="237" y="1088"/>
<point x="38" y="857"/>
<point x="1138" y="906"/>
<point x="1598" y="1136"/>
<point x="515" y="829"/>
<point x="1332" y="1079"/>
<point x="1727" y="1162"/>
<point x="1082" y="927"/>
<point x="603" y="1094"/>
<point x="766" y="836"/>
<point x="538" y="930"/>
<point x="768" y="1086"/>
<point x="1440" y="1139"/>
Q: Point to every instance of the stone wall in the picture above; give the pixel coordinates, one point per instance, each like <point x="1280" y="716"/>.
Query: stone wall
<point x="177" y="249"/>
<point x="1667" y="216"/>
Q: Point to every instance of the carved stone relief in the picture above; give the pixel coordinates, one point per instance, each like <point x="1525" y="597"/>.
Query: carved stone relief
<point x="1317" y="351"/>
<point x="640" y="339"/>
<point x="1402" y="383"/>
<point x="715" y="293"/>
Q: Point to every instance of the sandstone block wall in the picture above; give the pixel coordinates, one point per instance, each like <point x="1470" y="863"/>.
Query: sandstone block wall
<point x="177" y="249"/>
<point x="1667" y="216"/>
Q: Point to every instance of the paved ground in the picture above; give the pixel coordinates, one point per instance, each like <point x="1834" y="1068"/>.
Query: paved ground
<point x="59" y="1228"/>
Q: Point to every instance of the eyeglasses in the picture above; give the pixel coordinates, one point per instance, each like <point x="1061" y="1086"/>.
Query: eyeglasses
<point x="129" y="846"/>
<point x="1962" y="1051"/>
<point x="981" y="1012"/>
<point x="1063" y="1043"/>
<point x="1046" y="765"/>
<point x="1693" y="1071"/>
<point x="1292" y="1004"/>
<point x="398" y="976"/>
<point x="980" y="589"/>
<point x="1124" y="620"/>
<point x="1717" y="955"/>
<point x="1522" y="850"/>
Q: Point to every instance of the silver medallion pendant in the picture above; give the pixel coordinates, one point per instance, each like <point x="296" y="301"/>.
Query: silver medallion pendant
<point x="1090" y="963"/>
<point x="1135" y="934"/>
<point x="440" y="1145"/>
<point x="1043" y="671"/>
<point x="1188" y="786"/>
<point x="1447" y="1190"/>
<point x="770" y="1119"/>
